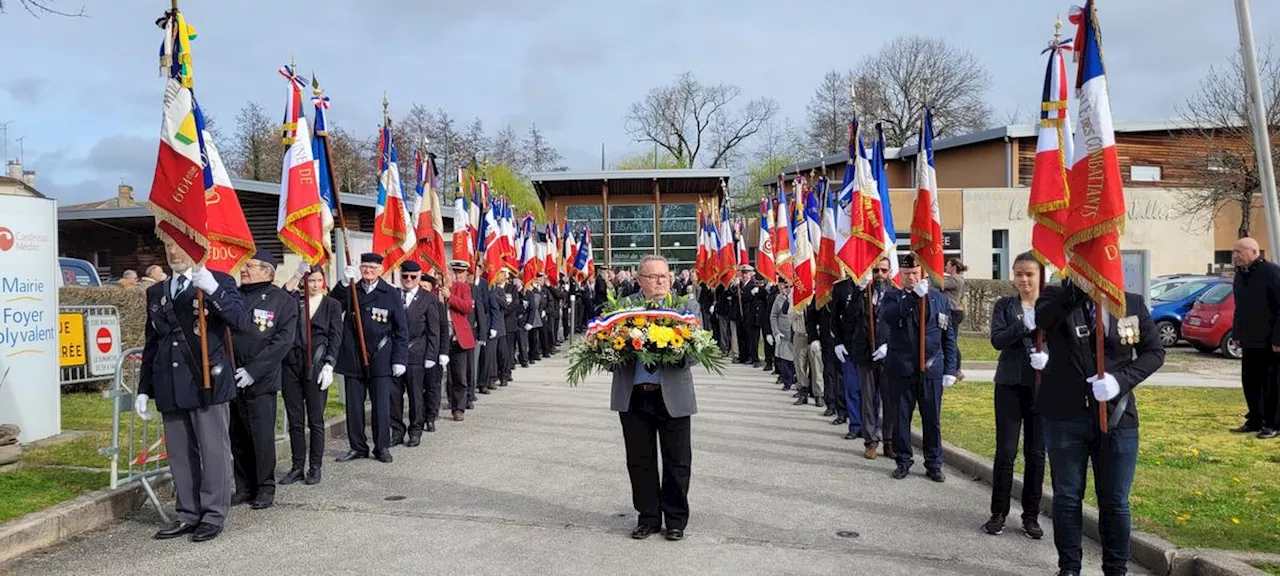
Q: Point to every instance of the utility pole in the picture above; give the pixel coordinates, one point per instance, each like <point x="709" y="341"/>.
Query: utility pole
<point x="4" y="129"/>
<point x="1261" y="137"/>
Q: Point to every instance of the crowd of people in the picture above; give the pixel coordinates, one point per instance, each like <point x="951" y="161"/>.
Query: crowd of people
<point x="871" y="357"/>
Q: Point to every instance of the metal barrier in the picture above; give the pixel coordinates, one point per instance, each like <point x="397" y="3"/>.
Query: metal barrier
<point x="81" y="373"/>
<point x="144" y="454"/>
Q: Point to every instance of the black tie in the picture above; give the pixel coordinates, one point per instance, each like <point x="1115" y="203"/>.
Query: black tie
<point x="181" y="285"/>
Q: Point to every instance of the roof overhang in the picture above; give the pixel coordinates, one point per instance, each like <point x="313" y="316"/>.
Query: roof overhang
<point x="704" y="181"/>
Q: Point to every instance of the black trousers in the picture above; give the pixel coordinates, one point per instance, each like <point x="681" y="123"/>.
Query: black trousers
<point x="833" y="380"/>
<point x="411" y="384"/>
<point x="522" y="346"/>
<point x="378" y="391"/>
<point x="535" y="344"/>
<point x="504" y="357"/>
<point x="548" y="337"/>
<point x="253" y="444"/>
<point x="304" y="408"/>
<point x="488" y="364"/>
<point x="1258" y="375"/>
<point x="768" y="348"/>
<point x="459" y="375"/>
<point x="647" y="427"/>
<point x="1014" y="414"/>
<point x="431" y="393"/>
<point x="745" y="350"/>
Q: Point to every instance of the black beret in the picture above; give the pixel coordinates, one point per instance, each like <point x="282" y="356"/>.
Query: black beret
<point x="759" y="277"/>
<point x="264" y="256"/>
<point x="909" y="261"/>
<point x="429" y="279"/>
<point x="370" y="258"/>
<point x="410" y="266"/>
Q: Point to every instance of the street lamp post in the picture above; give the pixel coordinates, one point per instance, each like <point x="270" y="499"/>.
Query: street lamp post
<point x="1261" y="136"/>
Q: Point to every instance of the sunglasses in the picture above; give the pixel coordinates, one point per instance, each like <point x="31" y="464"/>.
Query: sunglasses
<point x="409" y="276"/>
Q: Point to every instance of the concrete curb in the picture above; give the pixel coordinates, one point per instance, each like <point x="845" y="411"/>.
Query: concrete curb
<point x="1152" y="552"/>
<point x="44" y="528"/>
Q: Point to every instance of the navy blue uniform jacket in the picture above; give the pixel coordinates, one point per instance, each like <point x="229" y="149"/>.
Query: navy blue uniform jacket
<point x="386" y="329"/>
<point x="900" y="312"/>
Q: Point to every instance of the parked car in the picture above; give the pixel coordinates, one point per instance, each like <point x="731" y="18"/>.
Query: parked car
<point x="1169" y="308"/>
<point x="1208" y="324"/>
<point x="77" y="272"/>
<point x="1162" y="284"/>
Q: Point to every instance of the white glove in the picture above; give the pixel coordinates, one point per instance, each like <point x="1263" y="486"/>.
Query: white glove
<point x="1029" y="319"/>
<point x="755" y="291"/>
<point x="1039" y="360"/>
<point x="816" y="347"/>
<point x="493" y="333"/>
<point x="712" y="309"/>
<point x="842" y="353"/>
<point x="326" y="377"/>
<point x="140" y="407"/>
<point x="528" y="326"/>
<point x="769" y="338"/>
<point x="350" y="273"/>
<point x="921" y="288"/>
<point x="948" y="381"/>
<point x="544" y="314"/>
<point x="397" y="370"/>
<point x="444" y="360"/>
<point x="203" y="279"/>
<point x="509" y="298"/>
<point x="303" y="269"/>
<point x="481" y="342"/>
<point x="880" y="353"/>
<point x="1105" y="388"/>
<point x="429" y="364"/>
<point x="243" y="379"/>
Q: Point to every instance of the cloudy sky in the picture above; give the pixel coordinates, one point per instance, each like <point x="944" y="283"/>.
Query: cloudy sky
<point x="84" y="93"/>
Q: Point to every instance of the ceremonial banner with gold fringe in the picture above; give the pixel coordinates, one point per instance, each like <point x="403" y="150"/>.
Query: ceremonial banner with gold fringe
<point x="1050" y="195"/>
<point x="177" y="197"/>
<point x="926" y="221"/>
<point x="230" y="240"/>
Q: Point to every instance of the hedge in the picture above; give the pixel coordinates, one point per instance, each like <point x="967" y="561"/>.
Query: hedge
<point x="980" y="296"/>
<point x="130" y="302"/>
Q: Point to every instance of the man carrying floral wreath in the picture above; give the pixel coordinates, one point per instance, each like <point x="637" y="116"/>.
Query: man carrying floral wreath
<point x="655" y="405"/>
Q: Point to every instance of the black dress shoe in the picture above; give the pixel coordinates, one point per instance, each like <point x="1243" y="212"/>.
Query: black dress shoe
<point x="840" y="420"/>
<point x="471" y="405"/>
<point x="1268" y="433"/>
<point x="205" y="531"/>
<point x="644" y="531"/>
<point x="262" y="502"/>
<point x="800" y="401"/>
<point x="240" y="498"/>
<point x="1246" y="429"/>
<point x="414" y="441"/>
<point x="431" y="426"/>
<point x="351" y="455"/>
<point x="174" y="529"/>
<point x="397" y="441"/>
<point x="485" y="390"/>
<point x="819" y="402"/>
<point x="899" y="472"/>
<point x="1068" y="573"/>
<point x="294" y="475"/>
<point x="313" y="477"/>
<point x="675" y="534"/>
<point x="830" y="411"/>
<point x="851" y="436"/>
<point x="382" y="456"/>
<point x="936" y="475"/>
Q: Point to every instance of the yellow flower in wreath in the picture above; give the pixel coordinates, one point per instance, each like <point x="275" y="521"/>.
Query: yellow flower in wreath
<point x="640" y="321"/>
<point x="684" y="332"/>
<point x="661" y="336"/>
<point x="677" y="341"/>
<point x="618" y="343"/>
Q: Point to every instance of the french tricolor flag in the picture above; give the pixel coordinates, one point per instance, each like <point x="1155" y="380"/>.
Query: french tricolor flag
<point x="1047" y="204"/>
<point x="1096" y="212"/>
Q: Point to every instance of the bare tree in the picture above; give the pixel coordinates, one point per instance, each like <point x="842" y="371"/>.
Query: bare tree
<point x="894" y="84"/>
<point x="352" y="160"/>
<point x="39" y="8"/>
<point x="691" y="120"/>
<point x="255" y="150"/>
<point x="1227" y="177"/>
<point x="539" y="155"/>
<point x="777" y="144"/>
<point x="506" y="149"/>
<point x="475" y="143"/>
<point x="830" y="111"/>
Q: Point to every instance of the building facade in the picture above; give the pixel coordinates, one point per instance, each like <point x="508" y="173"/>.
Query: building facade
<point x="633" y="213"/>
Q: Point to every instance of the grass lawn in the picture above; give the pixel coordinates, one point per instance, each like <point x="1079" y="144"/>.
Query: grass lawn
<point x="1268" y="568"/>
<point x="58" y="471"/>
<point x="1196" y="483"/>
<point x="977" y="349"/>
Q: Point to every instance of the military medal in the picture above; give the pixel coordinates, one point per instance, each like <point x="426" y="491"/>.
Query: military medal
<point x="264" y="319"/>
<point x="1127" y="329"/>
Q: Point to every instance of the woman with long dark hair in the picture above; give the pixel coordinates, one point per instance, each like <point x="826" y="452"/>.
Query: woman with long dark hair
<point x="306" y="384"/>
<point x="1013" y="333"/>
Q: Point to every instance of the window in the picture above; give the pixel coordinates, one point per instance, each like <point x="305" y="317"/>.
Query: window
<point x="679" y="234"/>
<point x="1182" y="292"/>
<point x="1144" y="173"/>
<point x="999" y="254"/>
<point x="631" y="230"/>
<point x="579" y="217"/>
<point x="1216" y="294"/>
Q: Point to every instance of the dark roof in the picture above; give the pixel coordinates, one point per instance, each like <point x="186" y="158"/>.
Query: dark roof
<point x="621" y="182"/>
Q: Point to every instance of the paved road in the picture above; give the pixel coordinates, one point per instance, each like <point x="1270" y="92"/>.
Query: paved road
<point x="534" y="482"/>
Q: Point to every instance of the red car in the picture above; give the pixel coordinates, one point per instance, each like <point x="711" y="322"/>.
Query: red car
<point x="1208" y="325"/>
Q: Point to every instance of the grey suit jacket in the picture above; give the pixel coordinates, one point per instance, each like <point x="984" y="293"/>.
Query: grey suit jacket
<point x="676" y="383"/>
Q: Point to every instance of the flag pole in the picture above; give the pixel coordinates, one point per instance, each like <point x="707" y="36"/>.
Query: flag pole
<point x="1100" y="357"/>
<point x="306" y="298"/>
<point x="346" y="248"/>
<point x="206" y="390"/>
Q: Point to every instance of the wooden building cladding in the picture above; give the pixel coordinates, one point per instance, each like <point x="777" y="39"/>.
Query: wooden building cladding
<point x="1179" y="155"/>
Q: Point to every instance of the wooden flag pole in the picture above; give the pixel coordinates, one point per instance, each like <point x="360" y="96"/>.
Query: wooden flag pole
<point x="871" y="316"/>
<point x="1099" y="355"/>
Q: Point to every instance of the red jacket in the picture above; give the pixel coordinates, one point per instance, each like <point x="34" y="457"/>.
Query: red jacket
<point x="460" y="305"/>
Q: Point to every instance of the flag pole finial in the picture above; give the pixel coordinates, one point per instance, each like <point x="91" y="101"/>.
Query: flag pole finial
<point x="1057" y="29"/>
<point x="386" y="107"/>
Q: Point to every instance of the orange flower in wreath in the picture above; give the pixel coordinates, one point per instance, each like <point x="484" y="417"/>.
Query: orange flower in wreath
<point x="637" y="343"/>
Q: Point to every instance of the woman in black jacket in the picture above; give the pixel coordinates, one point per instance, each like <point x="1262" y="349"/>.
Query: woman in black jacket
<point x="306" y="385"/>
<point x="1013" y="334"/>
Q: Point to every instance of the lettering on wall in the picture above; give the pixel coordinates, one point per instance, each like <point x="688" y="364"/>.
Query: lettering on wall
<point x="1137" y="209"/>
